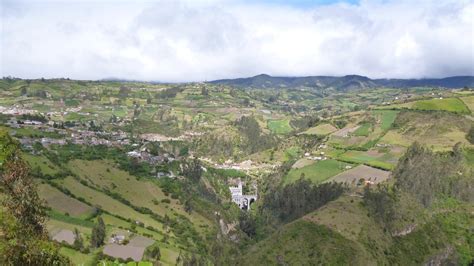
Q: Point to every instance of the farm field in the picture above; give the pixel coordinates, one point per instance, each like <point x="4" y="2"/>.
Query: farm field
<point x="447" y="104"/>
<point x="386" y="117"/>
<point x="107" y="203"/>
<point x="63" y="203"/>
<point x="352" y="176"/>
<point x="138" y="192"/>
<point x="280" y="126"/>
<point x="322" y="129"/>
<point x="373" y="157"/>
<point x="363" y="130"/>
<point x="45" y="166"/>
<point x="469" y="101"/>
<point x="317" y="172"/>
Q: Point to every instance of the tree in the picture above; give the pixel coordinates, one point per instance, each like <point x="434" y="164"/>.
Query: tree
<point x="470" y="135"/>
<point x="154" y="252"/>
<point x="247" y="224"/>
<point x="98" y="233"/>
<point x="24" y="91"/>
<point x="23" y="237"/>
<point x="193" y="170"/>
<point x="78" y="241"/>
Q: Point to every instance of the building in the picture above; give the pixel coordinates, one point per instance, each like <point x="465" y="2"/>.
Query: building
<point x="244" y="201"/>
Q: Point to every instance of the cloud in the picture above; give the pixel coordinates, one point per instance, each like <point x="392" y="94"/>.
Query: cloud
<point x="205" y="40"/>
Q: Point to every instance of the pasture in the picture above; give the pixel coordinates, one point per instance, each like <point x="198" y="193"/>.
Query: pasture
<point x="317" y="172"/>
<point x="371" y="157"/>
<point x="107" y="203"/>
<point x="469" y="101"/>
<point x="279" y="126"/>
<point x="144" y="193"/>
<point x="454" y="105"/>
<point x="63" y="203"/>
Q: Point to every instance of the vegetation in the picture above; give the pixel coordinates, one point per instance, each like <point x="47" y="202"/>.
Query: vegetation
<point x="23" y="238"/>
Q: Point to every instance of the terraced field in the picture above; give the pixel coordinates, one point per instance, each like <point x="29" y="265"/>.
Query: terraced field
<point x="107" y="203"/>
<point x="142" y="193"/>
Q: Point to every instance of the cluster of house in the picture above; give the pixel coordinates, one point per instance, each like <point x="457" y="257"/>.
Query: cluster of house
<point x="16" y="110"/>
<point x="144" y="155"/>
<point x="321" y="156"/>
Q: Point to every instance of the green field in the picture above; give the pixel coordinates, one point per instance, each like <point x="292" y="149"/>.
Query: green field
<point x="387" y="118"/>
<point x="317" y="172"/>
<point x="280" y="126"/>
<point x="45" y="166"/>
<point x="322" y="129"/>
<point x="363" y="130"/>
<point x="107" y="203"/>
<point x="384" y="161"/>
<point x="454" y="105"/>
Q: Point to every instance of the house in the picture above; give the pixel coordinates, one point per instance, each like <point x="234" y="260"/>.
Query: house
<point x="117" y="239"/>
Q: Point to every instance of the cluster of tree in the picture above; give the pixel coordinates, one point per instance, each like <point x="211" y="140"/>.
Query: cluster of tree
<point x="98" y="233"/>
<point x="381" y="204"/>
<point x="23" y="237"/>
<point x="426" y="174"/>
<point x="193" y="169"/>
<point x="35" y="117"/>
<point x="299" y="198"/>
<point x="470" y="135"/>
<point x="305" y="122"/>
<point x="256" y="141"/>
<point x="169" y="93"/>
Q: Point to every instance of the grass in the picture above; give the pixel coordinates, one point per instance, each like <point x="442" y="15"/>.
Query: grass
<point x="63" y="203"/>
<point x="280" y="126"/>
<point x="363" y="130"/>
<point x="69" y="219"/>
<point x="107" y="203"/>
<point x="317" y="172"/>
<point x="76" y="257"/>
<point x="144" y="193"/>
<point x="454" y="105"/>
<point x="305" y="243"/>
<point x="387" y="118"/>
<point x="381" y="161"/>
<point x="322" y="129"/>
<point x="45" y="166"/>
<point x="469" y="101"/>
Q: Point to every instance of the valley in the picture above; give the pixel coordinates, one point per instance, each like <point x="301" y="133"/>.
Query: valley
<point x="341" y="171"/>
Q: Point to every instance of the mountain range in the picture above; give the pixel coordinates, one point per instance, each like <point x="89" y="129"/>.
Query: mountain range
<point x="348" y="82"/>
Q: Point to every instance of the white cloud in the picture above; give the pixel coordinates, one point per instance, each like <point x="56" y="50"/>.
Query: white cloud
<point x="204" y="40"/>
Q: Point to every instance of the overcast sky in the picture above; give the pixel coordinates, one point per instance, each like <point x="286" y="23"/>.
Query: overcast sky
<point x="206" y="40"/>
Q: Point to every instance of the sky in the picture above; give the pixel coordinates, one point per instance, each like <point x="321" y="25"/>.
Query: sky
<point x="176" y="41"/>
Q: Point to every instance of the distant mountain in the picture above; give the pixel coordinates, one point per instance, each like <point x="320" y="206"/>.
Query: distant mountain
<point x="348" y="82"/>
